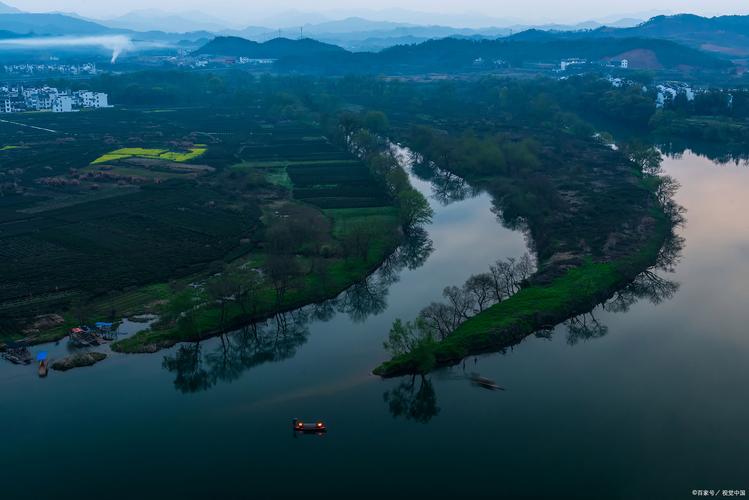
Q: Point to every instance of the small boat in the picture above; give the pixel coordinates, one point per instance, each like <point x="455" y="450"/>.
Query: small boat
<point x="485" y="383"/>
<point x="43" y="364"/>
<point x="309" y="427"/>
<point x="84" y="337"/>
<point x="18" y="354"/>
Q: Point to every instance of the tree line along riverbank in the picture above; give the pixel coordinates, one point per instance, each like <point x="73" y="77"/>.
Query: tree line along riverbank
<point x="596" y="217"/>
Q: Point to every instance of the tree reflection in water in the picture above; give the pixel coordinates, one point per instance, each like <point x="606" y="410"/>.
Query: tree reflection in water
<point x="650" y="285"/>
<point x="412" y="401"/>
<point x="187" y="363"/>
<point x="278" y="339"/>
<point x="363" y="299"/>
<point x="720" y="152"/>
<point x="584" y="327"/>
<point x="406" y="400"/>
<point x="237" y="352"/>
<point x="447" y="187"/>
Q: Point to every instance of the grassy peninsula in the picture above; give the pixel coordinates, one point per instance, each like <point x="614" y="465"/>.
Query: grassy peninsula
<point x="535" y="307"/>
<point x="565" y="285"/>
<point x="596" y="217"/>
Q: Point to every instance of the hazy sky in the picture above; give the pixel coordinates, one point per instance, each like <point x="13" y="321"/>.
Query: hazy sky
<point x="527" y="10"/>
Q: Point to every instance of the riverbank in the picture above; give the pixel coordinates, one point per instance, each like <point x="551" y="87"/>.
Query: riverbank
<point x="599" y="225"/>
<point x="533" y="308"/>
<point x="180" y="296"/>
<point x="207" y="321"/>
<point x="283" y="218"/>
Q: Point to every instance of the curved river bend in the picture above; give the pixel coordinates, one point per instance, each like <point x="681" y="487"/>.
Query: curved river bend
<point x="653" y="399"/>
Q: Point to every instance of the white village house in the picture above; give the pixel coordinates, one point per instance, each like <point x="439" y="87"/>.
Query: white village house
<point x="20" y="99"/>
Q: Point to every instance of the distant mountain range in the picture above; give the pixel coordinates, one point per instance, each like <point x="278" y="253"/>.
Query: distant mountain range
<point x="725" y="36"/>
<point x="49" y="24"/>
<point x="451" y="55"/>
<point x="352" y="32"/>
<point x="24" y="24"/>
<point x="158" y="20"/>
<point x="7" y="9"/>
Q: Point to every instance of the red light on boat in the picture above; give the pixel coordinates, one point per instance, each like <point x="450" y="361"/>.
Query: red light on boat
<point x="300" y="424"/>
<point x="319" y="424"/>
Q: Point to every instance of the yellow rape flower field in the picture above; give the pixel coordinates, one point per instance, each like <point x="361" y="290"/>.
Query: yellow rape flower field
<point x="154" y="154"/>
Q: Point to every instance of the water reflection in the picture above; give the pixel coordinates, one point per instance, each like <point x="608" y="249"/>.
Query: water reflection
<point x="419" y="403"/>
<point x="584" y="327"/>
<point x="412" y="401"/>
<point x="236" y="353"/>
<point x="198" y="369"/>
<point x="447" y="187"/>
<point x="650" y="285"/>
<point x="720" y="153"/>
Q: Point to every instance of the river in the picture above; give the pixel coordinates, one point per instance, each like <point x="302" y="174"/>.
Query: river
<point x="648" y="403"/>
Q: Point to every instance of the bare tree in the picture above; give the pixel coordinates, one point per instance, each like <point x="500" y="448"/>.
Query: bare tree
<point x="460" y="302"/>
<point x="509" y="275"/>
<point x="480" y="287"/>
<point x="282" y="270"/>
<point x="503" y="277"/>
<point x="440" y="319"/>
<point x="222" y="289"/>
<point x="479" y="292"/>
<point x="248" y="292"/>
<point x="524" y="268"/>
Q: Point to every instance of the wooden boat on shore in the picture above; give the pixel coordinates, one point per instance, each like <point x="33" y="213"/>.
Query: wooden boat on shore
<point x="18" y="354"/>
<point x="84" y="337"/>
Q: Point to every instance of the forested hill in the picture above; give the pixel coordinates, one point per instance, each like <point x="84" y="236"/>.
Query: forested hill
<point x="272" y="49"/>
<point x="452" y="55"/>
<point x="662" y="53"/>
<point x="728" y="35"/>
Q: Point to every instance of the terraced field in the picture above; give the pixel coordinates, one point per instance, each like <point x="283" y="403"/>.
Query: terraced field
<point x="319" y="173"/>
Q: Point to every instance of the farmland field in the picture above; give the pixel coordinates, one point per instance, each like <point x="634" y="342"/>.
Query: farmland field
<point x="119" y="203"/>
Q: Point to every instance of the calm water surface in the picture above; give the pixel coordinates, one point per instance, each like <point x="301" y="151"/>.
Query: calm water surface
<point x="648" y="403"/>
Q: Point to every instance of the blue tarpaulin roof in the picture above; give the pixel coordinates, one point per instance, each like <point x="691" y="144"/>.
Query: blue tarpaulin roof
<point x="101" y="324"/>
<point x="41" y="356"/>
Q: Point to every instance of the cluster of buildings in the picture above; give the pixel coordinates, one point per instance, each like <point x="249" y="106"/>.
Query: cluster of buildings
<point x="566" y="64"/>
<point x="206" y="61"/>
<point x="18" y="99"/>
<point x="45" y="69"/>
<point x="668" y="91"/>
<point x="186" y="60"/>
